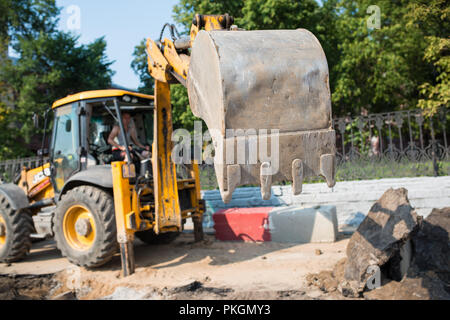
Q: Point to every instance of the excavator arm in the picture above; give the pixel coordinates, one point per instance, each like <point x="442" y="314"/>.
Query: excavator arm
<point x="264" y="96"/>
<point x="168" y="59"/>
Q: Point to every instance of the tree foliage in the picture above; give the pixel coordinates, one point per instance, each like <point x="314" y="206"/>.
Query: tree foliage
<point x="433" y="18"/>
<point x="402" y="64"/>
<point x="183" y="118"/>
<point x="379" y="69"/>
<point x="27" y="18"/>
<point x="140" y="67"/>
<point x="50" y="66"/>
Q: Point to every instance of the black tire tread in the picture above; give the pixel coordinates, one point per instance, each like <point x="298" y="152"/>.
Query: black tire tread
<point x="104" y="207"/>
<point x="22" y="227"/>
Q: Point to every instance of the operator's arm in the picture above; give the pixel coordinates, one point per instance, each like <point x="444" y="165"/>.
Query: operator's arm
<point x="136" y="140"/>
<point x="114" y="133"/>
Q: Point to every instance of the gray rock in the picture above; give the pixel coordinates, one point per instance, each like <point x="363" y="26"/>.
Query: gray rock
<point x="432" y="243"/>
<point x="390" y="223"/>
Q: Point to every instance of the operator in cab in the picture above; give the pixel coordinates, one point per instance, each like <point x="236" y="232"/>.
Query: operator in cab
<point x="117" y="140"/>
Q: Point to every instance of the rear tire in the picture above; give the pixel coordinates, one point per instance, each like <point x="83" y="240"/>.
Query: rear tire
<point x="17" y="227"/>
<point x="100" y="244"/>
<point x="149" y="237"/>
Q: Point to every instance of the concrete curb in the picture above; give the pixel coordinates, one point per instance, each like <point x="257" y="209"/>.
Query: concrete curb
<point x="353" y="199"/>
<point x="285" y="225"/>
<point x="303" y="225"/>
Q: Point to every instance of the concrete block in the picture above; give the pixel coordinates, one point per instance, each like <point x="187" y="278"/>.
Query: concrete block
<point x="243" y="224"/>
<point x="300" y="225"/>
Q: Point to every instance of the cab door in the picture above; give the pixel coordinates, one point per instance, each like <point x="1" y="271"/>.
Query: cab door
<point x="65" y="160"/>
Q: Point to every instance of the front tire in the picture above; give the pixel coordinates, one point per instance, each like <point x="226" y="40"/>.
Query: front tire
<point x="85" y="226"/>
<point x="16" y="227"/>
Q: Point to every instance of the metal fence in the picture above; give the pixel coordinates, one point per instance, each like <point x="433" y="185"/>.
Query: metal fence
<point x="394" y="144"/>
<point x="386" y="145"/>
<point x="395" y="135"/>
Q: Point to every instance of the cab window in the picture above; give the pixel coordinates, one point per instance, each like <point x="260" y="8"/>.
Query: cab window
<point x="65" y="144"/>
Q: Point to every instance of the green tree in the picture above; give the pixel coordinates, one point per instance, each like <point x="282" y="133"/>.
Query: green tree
<point x="384" y="69"/>
<point x="272" y="14"/>
<point x="50" y="66"/>
<point x="433" y="18"/>
<point x="400" y="65"/>
<point x="26" y="18"/>
<point x="184" y="11"/>
<point x="373" y="73"/>
<point x="19" y="19"/>
<point x="183" y="117"/>
<point x="279" y="14"/>
<point x="140" y="67"/>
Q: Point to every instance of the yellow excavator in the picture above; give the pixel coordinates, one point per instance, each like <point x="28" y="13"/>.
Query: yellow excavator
<point x="265" y="98"/>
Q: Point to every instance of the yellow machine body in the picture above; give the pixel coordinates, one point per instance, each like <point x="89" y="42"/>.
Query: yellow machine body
<point x="273" y="80"/>
<point x="36" y="183"/>
<point x="46" y="185"/>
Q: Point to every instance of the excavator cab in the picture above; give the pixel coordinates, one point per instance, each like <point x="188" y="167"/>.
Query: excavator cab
<point x="82" y="128"/>
<point x="265" y="98"/>
<point x="92" y="203"/>
<point x="101" y="122"/>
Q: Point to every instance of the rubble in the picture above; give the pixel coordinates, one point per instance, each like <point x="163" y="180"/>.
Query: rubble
<point x="432" y="244"/>
<point x="389" y="225"/>
<point x="412" y="254"/>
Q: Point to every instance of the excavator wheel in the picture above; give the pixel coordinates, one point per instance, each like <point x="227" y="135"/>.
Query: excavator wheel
<point x="16" y="226"/>
<point x="150" y="237"/>
<point x="85" y="226"/>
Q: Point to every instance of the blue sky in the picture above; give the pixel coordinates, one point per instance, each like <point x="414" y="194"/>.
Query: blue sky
<point x="123" y="23"/>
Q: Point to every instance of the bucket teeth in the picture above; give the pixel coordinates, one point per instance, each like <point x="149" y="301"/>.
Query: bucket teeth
<point x="328" y="168"/>
<point x="266" y="181"/>
<point x="297" y="176"/>
<point x="233" y="181"/>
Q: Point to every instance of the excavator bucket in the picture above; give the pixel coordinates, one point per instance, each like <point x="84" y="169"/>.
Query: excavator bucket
<point x="265" y="98"/>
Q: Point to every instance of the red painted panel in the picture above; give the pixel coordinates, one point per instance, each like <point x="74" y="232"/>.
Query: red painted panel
<point x="243" y="224"/>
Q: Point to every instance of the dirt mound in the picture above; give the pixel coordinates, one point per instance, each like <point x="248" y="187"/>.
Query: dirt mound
<point x="26" y="287"/>
<point x="408" y="257"/>
<point x="328" y="281"/>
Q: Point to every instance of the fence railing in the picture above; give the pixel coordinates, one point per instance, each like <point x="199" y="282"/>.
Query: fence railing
<point x="10" y="169"/>
<point x="394" y="144"/>
<point x="386" y="145"/>
<point x="393" y="135"/>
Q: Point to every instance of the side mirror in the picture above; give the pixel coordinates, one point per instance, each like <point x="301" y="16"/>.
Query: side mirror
<point x="68" y="125"/>
<point x="36" y="120"/>
<point x="43" y="152"/>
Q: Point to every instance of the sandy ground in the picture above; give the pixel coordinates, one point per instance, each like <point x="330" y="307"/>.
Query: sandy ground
<point x="181" y="270"/>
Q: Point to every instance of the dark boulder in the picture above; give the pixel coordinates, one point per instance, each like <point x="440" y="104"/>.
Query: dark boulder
<point x="432" y="244"/>
<point x="380" y="241"/>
